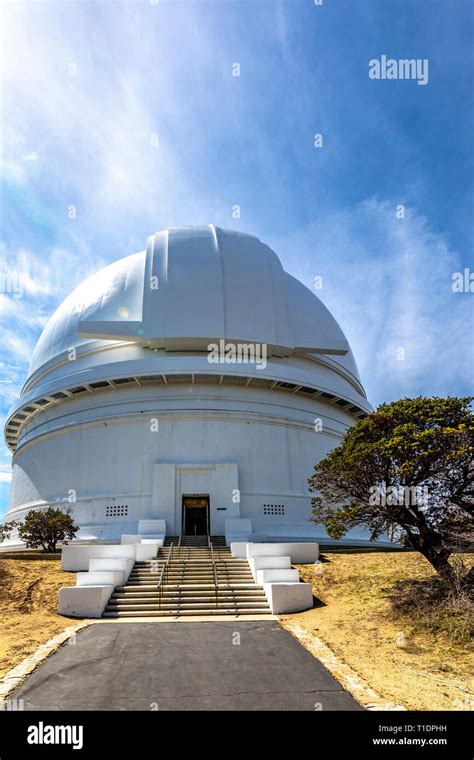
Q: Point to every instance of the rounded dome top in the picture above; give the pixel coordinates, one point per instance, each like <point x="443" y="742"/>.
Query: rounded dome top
<point x="191" y="288"/>
<point x="193" y="285"/>
<point x="114" y="291"/>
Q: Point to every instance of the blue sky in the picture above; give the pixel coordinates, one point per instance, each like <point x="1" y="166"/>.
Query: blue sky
<point x="86" y="86"/>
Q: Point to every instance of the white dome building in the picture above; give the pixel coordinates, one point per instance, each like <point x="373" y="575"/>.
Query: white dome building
<point x="126" y="414"/>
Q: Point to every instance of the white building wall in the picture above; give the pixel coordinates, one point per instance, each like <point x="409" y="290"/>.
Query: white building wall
<point x="109" y="454"/>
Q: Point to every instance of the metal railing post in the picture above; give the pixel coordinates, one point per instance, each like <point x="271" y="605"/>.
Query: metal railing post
<point x="214" y="569"/>
<point x="164" y="576"/>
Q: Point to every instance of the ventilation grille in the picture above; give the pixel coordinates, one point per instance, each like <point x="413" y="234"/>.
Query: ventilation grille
<point x="116" y="511"/>
<point x="273" y="509"/>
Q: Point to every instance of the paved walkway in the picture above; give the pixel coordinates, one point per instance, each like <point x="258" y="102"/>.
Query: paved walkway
<point x="191" y="666"/>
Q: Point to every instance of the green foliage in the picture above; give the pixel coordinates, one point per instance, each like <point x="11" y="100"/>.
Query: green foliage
<point x="46" y="528"/>
<point x="5" y="532"/>
<point x="421" y="447"/>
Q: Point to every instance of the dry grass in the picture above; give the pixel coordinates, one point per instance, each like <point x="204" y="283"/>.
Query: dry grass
<point x="432" y="605"/>
<point x="28" y="605"/>
<point x="403" y="655"/>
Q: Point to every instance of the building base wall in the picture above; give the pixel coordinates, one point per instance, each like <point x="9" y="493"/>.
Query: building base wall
<point x="123" y="464"/>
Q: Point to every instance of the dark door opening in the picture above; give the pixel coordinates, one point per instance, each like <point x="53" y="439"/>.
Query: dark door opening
<point x="195" y="515"/>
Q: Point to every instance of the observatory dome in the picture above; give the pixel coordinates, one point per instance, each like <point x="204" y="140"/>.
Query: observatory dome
<point x="133" y="343"/>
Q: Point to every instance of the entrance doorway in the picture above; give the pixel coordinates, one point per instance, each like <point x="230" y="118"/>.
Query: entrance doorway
<point x="195" y="519"/>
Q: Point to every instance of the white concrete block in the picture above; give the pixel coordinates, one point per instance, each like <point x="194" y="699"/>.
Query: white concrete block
<point x="275" y="575"/>
<point x="232" y="538"/>
<point x="124" y="565"/>
<point x="288" y="597"/>
<point x="128" y="538"/>
<point x="239" y="549"/>
<point x="84" y="601"/>
<point x="300" y="553"/>
<point x="239" y="537"/>
<point x="266" y="563"/>
<point x="101" y="578"/>
<point x="152" y="526"/>
<point x="76" y="557"/>
<point x="155" y="540"/>
<point x="145" y="551"/>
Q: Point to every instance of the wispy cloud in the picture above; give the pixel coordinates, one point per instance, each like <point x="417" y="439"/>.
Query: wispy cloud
<point x="388" y="281"/>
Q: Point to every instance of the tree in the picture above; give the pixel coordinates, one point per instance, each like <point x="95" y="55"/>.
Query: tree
<point x="46" y="528"/>
<point x="6" y="529"/>
<point x="409" y="468"/>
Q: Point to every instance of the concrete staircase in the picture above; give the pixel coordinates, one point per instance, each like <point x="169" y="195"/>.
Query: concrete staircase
<point x="189" y="583"/>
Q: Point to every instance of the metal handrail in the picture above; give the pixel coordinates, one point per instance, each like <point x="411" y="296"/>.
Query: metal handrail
<point x="164" y="576"/>
<point x="214" y="568"/>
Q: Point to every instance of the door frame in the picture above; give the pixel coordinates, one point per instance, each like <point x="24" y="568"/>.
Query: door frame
<point x="208" y="510"/>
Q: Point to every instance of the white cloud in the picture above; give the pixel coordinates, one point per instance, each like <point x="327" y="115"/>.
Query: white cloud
<point x="388" y="283"/>
<point x="101" y="126"/>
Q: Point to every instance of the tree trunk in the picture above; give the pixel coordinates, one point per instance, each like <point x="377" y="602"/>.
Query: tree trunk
<point x="469" y="578"/>
<point x="437" y="555"/>
<point x="440" y="562"/>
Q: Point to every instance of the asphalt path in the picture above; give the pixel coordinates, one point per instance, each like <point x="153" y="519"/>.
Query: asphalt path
<point x="225" y="665"/>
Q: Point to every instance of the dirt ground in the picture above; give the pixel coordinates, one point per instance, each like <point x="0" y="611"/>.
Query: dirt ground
<point x="415" y="670"/>
<point x="28" y="602"/>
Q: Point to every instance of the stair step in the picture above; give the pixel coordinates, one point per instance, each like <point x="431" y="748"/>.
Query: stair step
<point x="176" y="590"/>
<point x="190" y="578"/>
<point x="177" y="611"/>
<point x="128" y="601"/>
<point x="184" y="597"/>
<point x="191" y="566"/>
<point x="185" y="613"/>
<point x="172" y="604"/>
<point x="185" y="586"/>
<point x="195" y="573"/>
<point x="189" y="581"/>
<point x="187" y="571"/>
<point x="204" y="567"/>
<point x="150" y="578"/>
<point x="222" y="588"/>
<point x="188" y="596"/>
<point x="193" y="561"/>
<point x="194" y="566"/>
<point x="198" y="562"/>
<point x="179" y="570"/>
